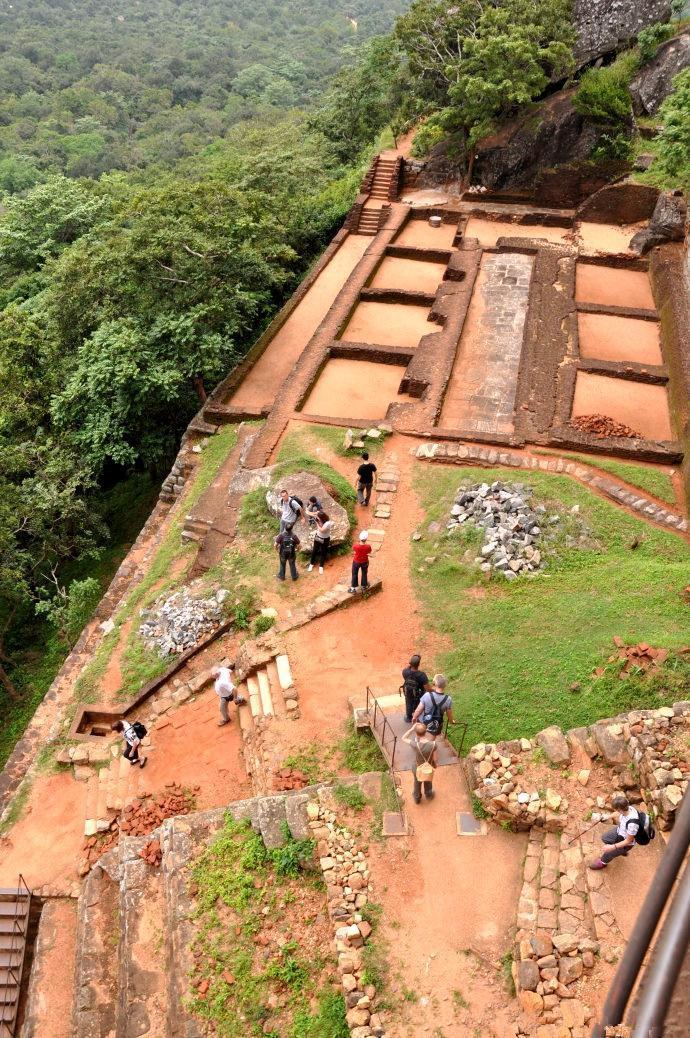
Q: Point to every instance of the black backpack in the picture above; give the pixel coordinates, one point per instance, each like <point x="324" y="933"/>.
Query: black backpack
<point x="299" y="501"/>
<point x="646" y="831"/>
<point x="435" y="722"/>
<point x="139" y="730"/>
<point x="287" y="548"/>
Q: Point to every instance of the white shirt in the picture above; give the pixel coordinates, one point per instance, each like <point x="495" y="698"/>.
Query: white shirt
<point x="224" y="686"/>
<point x="129" y="734"/>
<point x="628" y="824"/>
<point x="325" y="530"/>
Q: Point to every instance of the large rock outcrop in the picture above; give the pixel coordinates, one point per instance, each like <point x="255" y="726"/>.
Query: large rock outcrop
<point x="603" y="26"/>
<point x="620" y="204"/>
<point x="303" y="485"/>
<point x="654" y="82"/>
<point x="667" y="224"/>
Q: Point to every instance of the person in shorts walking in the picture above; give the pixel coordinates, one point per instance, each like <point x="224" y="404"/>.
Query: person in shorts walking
<point x="322" y="541"/>
<point x="432" y="707"/>
<point x="415" y="684"/>
<point x="360" y="562"/>
<point x="618" y="842"/>
<point x="132" y="742"/>
<point x="226" y="692"/>
<point x="366" y="473"/>
<point x="425" y="761"/>
<point x="287" y="544"/>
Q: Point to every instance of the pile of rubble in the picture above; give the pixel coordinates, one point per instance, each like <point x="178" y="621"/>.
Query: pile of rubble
<point x="496" y="781"/>
<point x="346" y="875"/>
<point x="152" y="852"/>
<point x="175" y="624"/>
<point x="601" y="425"/>
<point x="289" y="778"/>
<point x="140" y="817"/>
<point x="545" y="971"/>
<point x="640" y="656"/>
<point x="513" y="526"/>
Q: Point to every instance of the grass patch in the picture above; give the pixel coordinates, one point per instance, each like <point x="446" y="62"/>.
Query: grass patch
<point x="16" y="806"/>
<point x="312" y="762"/>
<point x="507" y="968"/>
<point x="515" y="650"/>
<point x="360" y="751"/>
<point x="250" y="899"/>
<point x="653" y="481"/>
<point x="333" y="437"/>
<point x="350" y="796"/>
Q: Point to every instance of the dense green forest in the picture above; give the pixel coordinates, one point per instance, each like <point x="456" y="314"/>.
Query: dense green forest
<point x="88" y="87"/>
<point x="168" y="171"/>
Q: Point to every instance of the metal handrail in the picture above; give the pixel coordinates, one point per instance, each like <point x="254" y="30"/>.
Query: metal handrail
<point x="651" y="1006"/>
<point x="16" y="928"/>
<point x="386" y="724"/>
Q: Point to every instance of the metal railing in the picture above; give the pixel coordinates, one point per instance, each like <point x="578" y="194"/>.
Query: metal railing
<point x="659" y="978"/>
<point x="20" y="930"/>
<point x="387" y="740"/>
<point x="462" y="725"/>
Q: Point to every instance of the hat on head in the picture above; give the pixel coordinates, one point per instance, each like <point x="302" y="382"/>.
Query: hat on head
<point x="364" y="535"/>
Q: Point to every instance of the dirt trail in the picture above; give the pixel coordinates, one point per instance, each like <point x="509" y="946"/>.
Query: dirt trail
<point x="451" y="895"/>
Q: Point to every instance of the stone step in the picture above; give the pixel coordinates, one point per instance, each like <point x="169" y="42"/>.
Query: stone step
<point x="142" y="1002"/>
<point x="265" y="692"/>
<point x="276" y="689"/>
<point x="254" y="696"/>
<point x="284" y="673"/>
<point x="244" y="712"/>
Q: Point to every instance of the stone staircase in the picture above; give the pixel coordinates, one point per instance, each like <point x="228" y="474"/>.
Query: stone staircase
<point x="134" y="922"/>
<point x="369" y="221"/>
<point x="384" y="184"/>
<point x="269" y="692"/>
<point x="110" y="789"/>
<point x="15" y="908"/>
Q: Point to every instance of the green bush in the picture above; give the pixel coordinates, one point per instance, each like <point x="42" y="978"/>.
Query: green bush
<point x="262" y="624"/>
<point x="673" y="142"/>
<point x="427" y="137"/>
<point x="350" y="796"/>
<point x="650" y="39"/>
<point x="603" y="95"/>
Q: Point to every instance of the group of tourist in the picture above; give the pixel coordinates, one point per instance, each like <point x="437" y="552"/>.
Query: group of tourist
<point x="292" y="509"/>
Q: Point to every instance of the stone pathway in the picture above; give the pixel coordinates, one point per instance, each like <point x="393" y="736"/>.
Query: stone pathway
<point x="461" y="454"/>
<point x="483" y="384"/>
<point x="386" y="487"/>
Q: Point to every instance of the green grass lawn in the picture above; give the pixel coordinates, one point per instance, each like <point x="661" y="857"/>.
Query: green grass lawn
<point x="514" y="653"/>
<point x="653" y="481"/>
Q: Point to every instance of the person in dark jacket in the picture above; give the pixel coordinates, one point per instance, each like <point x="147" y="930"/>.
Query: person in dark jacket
<point x="415" y="684"/>
<point x="287" y="544"/>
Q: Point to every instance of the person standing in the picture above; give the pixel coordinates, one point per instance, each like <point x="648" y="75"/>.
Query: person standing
<point x="618" y="842"/>
<point x="226" y="691"/>
<point x="366" y="474"/>
<point x="433" y="705"/>
<point x="290" y="511"/>
<point x="287" y="544"/>
<point x="425" y="761"/>
<point x="415" y="683"/>
<point x="132" y="742"/>
<point x="360" y="562"/>
<point x="322" y="541"/>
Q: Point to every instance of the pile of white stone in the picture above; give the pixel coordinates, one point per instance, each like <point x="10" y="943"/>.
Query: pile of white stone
<point x="513" y="526"/>
<point x="175" y="624"/>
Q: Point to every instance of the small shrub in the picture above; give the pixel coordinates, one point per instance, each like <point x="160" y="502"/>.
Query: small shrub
<point x="427" y="137"/>
<point x="350" y="796"/>
<point x="650" y="39"/>
<point x="293" y="856"/>
<point x="263" y="624"/>
<point x="478" y="809"/>
<point x="603" y="94"/>
<point x="507" y="965"/>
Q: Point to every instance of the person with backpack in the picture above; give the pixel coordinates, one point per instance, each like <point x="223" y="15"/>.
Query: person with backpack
<point x="433" y="705"/>
<point x="366" y="474"/>
<point x="226" y="691"/>
<point x="287" y="544"/>
<point x="133" y="734"/>
<point x="360" y="562"/>
<point x="633" y="827"/>
<point x="291" y="508"/>
<point x="312" y="509"/>
<point x="322" y="541"/>
<point x="415" y="684"/>
<point x="425" y="761"/>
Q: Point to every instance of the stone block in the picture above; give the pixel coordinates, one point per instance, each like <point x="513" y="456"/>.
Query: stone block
<point x="527" y="975"/>
<point x="271" y="819"/>
<point x="553" y="743"/>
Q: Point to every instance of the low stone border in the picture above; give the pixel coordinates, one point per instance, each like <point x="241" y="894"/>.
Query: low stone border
<point x="346" y="873"/>
<point x="461" y="454"/>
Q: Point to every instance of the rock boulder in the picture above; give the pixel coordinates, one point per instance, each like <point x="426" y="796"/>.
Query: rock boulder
<point x="552" y="742"/>
<point x="304" y="485"/>
<point x="667" y="224"/>
<point x="654" y="82"/>
<point x="603" y="26"/>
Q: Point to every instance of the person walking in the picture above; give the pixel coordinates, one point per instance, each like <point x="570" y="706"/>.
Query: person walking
<point x="226" y="691"/>
<point x="132" y="740"/>
<point x="633" y="827"/>
<point x="425" y="761"/>
<point x="433" y="705"/>
<point x="360" y="562"/>
<point x="366" y="474"/>
<point x="415" y="683"/>
<point x="287" y="544"/>
<point x="322" y="541"/>
<point x="290" y="511"/>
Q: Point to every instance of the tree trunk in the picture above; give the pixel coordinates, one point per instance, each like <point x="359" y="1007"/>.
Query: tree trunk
<point x="200" y="388"/>
<point x="8" y="685"/>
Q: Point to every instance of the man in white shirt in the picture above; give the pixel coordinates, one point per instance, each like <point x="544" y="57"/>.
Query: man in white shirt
<point x="619" y="841"/>
<point x="226" y="691"/>
<point x="132" y="742"/>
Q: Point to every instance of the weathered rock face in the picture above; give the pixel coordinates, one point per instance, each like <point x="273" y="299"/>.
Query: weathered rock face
<point x="304" y="485"/>
<point x="653" y="83"/>
<point x="553" y="135"/>
<point x="604" y="25"/>
<point x="620" y="204"/>
<point x="667" y="224"/>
